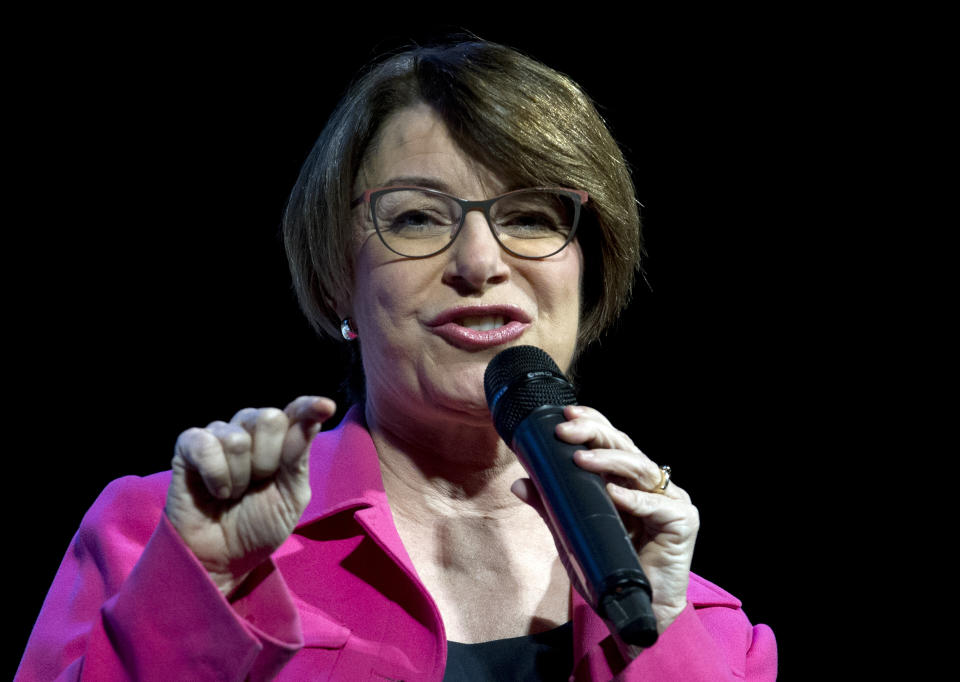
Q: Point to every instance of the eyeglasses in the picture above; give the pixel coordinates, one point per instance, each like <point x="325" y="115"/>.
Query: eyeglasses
<point x="529" y="223"/>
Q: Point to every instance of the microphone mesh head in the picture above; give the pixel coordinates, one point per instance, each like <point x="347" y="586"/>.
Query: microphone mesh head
<point x="519" y="380"/>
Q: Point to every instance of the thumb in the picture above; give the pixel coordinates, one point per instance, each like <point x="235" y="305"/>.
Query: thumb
<point x="306" y="415"/>
<point x="524" y="489"/>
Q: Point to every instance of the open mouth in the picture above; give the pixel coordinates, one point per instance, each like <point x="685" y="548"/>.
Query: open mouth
<point x="482" y="323"/>
<point x="478" y="327"/>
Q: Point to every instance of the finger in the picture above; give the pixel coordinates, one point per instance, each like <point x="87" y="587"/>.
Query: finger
<point x="306" y="415"/>
<point x="236" y="444"/>
<point x="679" y="516"/>
<point x="634" y="467"/>
<point x="574" y="411"/>
<point x="586" y="426"/>
<point x="630" y="470"/>
<point x="268" y="428"/>
<point x="199" y="450"/>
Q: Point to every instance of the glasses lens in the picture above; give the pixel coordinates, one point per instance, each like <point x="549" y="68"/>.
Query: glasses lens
<point x="415" y="222"/>
<point x="535" y="223"/>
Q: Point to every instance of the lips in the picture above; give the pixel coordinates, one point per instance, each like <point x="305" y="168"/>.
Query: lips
<point x="479" y="327"/>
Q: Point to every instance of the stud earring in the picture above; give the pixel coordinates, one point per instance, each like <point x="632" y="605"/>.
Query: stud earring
<point x="347" y="329"/>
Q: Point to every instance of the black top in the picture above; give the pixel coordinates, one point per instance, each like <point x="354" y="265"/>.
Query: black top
<point x="543" y="656"/>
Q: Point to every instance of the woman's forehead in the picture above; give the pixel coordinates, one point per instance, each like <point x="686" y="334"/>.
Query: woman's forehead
<point x="414" y="147"/>
<point x="414" y="125"/>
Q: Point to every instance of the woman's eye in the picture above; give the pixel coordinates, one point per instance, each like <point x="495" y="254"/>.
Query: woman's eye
<point x="530" y="224"/>
<point x="412" y="220"/>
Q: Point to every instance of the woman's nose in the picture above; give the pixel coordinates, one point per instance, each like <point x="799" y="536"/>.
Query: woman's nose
<point x="476" y="258"/>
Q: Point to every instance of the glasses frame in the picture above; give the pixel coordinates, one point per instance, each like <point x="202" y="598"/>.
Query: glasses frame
<point x="371" y="196"/>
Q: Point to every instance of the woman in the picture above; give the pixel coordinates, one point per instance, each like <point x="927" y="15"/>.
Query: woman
<point x="407" y="543"/>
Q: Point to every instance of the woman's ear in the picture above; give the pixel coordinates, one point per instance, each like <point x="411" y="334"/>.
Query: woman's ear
<point x="343" y="307"/>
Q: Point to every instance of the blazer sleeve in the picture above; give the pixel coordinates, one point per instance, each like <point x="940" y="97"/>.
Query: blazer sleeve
<point x="130" y="601"/>
<point x="710" y="645"/>
<point x="710" y="641"/>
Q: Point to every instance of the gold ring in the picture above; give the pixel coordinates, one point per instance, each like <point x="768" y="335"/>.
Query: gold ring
<point x="665" y="472"/>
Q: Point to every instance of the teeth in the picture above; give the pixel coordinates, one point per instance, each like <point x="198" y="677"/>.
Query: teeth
<point x="483" y="324"/>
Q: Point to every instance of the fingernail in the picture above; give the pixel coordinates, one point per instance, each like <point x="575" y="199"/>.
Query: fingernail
<point x="223" y="492"/>
<point x="584" y="454"/>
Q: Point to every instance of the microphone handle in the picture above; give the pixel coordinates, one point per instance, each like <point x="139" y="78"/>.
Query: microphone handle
<point x="588" y="527"/>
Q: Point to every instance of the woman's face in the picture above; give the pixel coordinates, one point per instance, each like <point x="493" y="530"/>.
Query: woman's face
<point x="428" y="327"/>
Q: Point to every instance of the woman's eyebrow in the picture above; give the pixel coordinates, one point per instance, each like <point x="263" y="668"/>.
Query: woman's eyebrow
<point x="418" y="181"/>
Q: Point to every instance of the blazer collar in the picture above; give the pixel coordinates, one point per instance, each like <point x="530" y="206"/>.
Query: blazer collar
<point x="344" y="470"/>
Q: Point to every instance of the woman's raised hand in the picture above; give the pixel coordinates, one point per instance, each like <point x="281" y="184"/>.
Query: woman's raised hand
<point x="662" y="524"/>
<point x="239" y="488"/>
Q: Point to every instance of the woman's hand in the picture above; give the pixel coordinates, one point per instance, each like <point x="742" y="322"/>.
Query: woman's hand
<point x="663" y="525"/>
<point x="239" y="488"/>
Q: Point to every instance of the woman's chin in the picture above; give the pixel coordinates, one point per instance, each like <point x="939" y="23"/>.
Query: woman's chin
<point x="474" y="406"/>
<point x="455" y="393"/>
<point x="463" y="397"/>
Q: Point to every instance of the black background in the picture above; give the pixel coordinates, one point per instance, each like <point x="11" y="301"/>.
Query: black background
<point x="155" y="158"/>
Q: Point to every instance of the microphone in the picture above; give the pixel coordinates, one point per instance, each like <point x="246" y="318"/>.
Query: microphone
<point x="527" y="392"/>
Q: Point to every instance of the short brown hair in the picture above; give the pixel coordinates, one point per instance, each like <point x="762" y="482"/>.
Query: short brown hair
<point x="523" y="120"/>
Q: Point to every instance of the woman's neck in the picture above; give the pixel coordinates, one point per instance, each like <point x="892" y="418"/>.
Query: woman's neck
<point x="486" y="557"/>
<point x="445" y="466"/>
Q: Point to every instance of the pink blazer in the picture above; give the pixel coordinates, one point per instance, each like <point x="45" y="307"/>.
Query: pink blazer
<point x="340" y="600"/>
